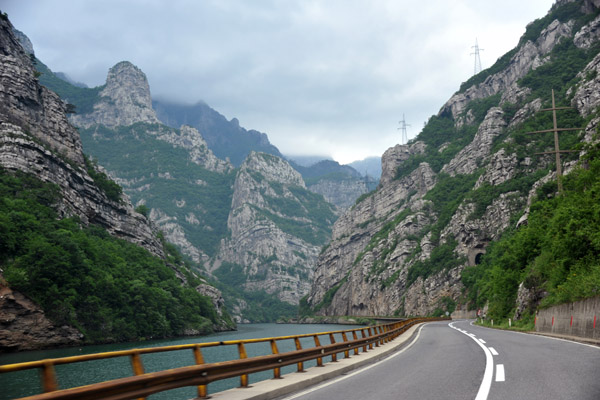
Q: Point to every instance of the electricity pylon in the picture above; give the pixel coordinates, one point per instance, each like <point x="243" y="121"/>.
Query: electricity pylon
<point x="402" y="129"/>
<point x="477" y="67"/>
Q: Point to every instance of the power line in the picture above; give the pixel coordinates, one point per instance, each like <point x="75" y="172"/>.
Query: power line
<point x="477" y="67"/>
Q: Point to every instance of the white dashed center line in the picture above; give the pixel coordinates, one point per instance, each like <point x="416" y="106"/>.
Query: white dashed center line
<point x="499" y="372"/>
<point x="494" y="352"/>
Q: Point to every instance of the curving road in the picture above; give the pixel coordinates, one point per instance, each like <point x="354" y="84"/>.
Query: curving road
<point x="458" y="360"/>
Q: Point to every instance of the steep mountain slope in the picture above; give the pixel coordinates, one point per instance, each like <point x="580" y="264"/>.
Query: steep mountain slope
<point x="227" y="139"/>
<point x="277" y="228"/>
<point x="467" y="178"/>
<point x="178" y="183"/>
<point x="70" y="240"/>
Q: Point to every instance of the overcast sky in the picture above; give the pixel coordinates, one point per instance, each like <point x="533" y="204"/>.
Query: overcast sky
<point x="320" y="77"/>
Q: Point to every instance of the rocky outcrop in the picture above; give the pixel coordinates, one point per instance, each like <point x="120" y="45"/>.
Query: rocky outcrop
<point x="124" y="100"/>
<point x="529" y="56"/>
<point x="175" y="234"/>
<point x="587" y="98"/>
<point x="471" y="157"/>
<point x="215" y="296"/>
<point x="353" y="264"/>
<point x="190" y="139"/>
<point x="24" y="326"/>
<point x="394" y="157"/>
<point x="269" y="199"/>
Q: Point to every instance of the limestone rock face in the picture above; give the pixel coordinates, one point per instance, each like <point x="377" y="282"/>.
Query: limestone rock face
<point x="530" y="55"/>
<point x="471" y="157"/>
<point x="387" y="251"/>
<point x="124" y="100"/>
<point x="24" y="326"/>
<point x="25" y="103"/>
<point x="268" y="196"/>
<point x="395" y="156"/>
<point x="36" y="138"/>
<point x="587" y="95"/>
<point x="215" y="296"/>
<point x="588" y="35"/>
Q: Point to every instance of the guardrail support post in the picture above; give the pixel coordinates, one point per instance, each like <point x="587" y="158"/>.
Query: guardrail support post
<point x="355" y="338"/>
<point x="274" y="350"/>
<point x="332" y="340"/>
<point x="138" y="367"/>
<point x="299" y="347"/>
<point x="49" y="378"/>
<point x="243" y="378"/>
<point x="362" y="332"/>
<point x="346" y="352"/>
<point x="202" y="390"/>
<point x="318" y="344"/>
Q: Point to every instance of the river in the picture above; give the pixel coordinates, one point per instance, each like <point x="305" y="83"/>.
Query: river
<point x="26" y="383"/>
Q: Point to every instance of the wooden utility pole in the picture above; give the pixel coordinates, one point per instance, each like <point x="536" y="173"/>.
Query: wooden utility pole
<point x="557" y="149"/>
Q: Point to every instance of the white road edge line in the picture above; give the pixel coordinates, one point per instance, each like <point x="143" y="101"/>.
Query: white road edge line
<point x="538" y="336"/>
<point x="331" y="382"/>
<point x="499" y="372"/>
<point x="486" y="382"/>
<point x="493" y="351"/>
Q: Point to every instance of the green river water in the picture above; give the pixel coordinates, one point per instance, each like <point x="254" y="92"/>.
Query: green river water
<point x="26" y="383"/>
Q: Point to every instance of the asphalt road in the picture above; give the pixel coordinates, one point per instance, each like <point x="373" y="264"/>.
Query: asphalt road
<point x="458" y="360"/>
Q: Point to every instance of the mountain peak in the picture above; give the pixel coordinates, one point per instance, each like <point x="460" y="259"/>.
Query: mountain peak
<point x="124" y="100"/>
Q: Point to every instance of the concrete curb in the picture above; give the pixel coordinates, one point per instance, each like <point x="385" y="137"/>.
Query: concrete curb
<point x="566" y="337"/>
<point x="293" y="382"/>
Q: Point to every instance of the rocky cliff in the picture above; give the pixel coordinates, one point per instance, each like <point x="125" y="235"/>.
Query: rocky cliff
<point x="259" y="220"/>
<point x="465" y="180"/>
<point x="24" y="326"/>
<point x="277" y="228"/>
<point x="37" y="139"/>
<point x="124" y="100"/>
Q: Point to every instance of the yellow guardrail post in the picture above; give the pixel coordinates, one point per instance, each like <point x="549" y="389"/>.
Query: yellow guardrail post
<point x="318" y="344"/>
<point x="355" y="338"/>
<point x="49" y="377"/>
<point x="332" y="341"/>
<point x="345" y="338"/>
<point x="364" y="336"/>
<point x="138" y="367"/>
<point x="244" y="377"/>
<point x="274" y="350"/>
<point x="202" y="390"/>
<point x="299" y="347"/>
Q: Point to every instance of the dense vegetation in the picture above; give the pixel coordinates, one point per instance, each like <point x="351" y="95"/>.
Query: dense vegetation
<point x="109" y="289"/>
<point x="556" y="255"/>
<point x="133" y="153"/>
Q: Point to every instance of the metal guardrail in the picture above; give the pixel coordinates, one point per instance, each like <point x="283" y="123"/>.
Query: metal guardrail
<point x="201" y="374"/>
